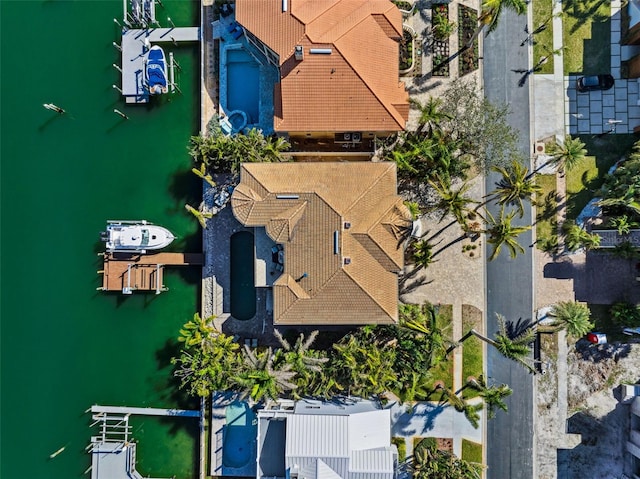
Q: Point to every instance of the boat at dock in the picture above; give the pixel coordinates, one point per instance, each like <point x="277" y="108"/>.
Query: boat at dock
<point x="156" y="71"/>
<point x="135" y="236"/>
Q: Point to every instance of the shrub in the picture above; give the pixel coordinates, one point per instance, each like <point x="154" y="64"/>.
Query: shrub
<point x="624" y="313"/>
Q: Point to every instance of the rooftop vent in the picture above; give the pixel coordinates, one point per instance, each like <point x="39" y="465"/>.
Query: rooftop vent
<point x="336" y="242"/>
<point x="299" y="53"/>
<point x="320" y="51"/>
<point x="347" y="261"/>
<point x="287" y="197"/>
<point x="347" y="225"/>
<point x="284" y="5"/>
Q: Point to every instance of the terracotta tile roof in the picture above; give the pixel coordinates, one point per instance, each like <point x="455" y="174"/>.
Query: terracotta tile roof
<point x="305" y="207"/>
<point x="356" y="86"/>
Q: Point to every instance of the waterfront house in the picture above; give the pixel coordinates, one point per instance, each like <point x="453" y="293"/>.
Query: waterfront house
<point x="329" y="239"/>
<point x="338" y="64"/>
<point x="348" y="439"/>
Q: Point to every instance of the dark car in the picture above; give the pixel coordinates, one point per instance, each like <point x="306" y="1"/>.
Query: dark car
<point x="595" y="82"/>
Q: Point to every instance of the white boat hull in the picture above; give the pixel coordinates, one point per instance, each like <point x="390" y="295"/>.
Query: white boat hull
<point x="135" y="236"/>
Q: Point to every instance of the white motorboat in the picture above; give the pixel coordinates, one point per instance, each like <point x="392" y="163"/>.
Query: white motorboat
<point x="135" y="236"/>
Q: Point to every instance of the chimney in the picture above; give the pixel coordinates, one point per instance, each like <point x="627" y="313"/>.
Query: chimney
<point x="299" y="53"/>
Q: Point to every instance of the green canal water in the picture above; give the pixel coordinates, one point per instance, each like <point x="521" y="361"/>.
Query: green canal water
<point x="65" y="346"/>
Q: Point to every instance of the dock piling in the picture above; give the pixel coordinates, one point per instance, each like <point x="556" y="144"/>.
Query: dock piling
<point x="116" y="67"/>
<point x="116" y="87"/>
<point x="118" y="47"/>
<point x="173" y="25"/>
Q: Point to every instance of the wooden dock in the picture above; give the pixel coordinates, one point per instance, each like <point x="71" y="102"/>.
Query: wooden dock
<point x="129" y="272"/>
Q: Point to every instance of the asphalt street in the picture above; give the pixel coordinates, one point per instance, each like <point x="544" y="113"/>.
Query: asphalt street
<point x="509" y="282"/>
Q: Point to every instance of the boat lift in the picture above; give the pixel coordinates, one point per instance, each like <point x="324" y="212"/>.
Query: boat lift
<point x="140" y="30"/>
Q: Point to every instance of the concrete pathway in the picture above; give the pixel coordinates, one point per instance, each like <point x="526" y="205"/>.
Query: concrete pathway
<point x="430" y="420"/>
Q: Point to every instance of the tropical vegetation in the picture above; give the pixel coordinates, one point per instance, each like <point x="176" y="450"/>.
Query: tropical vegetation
<point x="366" y="362"/>
<point x="573" y="317"/>
<point x="428" y="462"/>
<point x="220" y="153"/>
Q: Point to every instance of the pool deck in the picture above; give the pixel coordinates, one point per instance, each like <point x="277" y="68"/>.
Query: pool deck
<point x="268" y="75"/>
<point x="219" y="404"/>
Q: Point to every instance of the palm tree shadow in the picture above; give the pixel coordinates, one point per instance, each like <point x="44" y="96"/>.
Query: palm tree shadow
<point x="50" y="121"/>
<point x="519" y="327"/>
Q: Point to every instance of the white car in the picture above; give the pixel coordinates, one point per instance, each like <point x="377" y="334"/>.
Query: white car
<point x="631" y="331"/>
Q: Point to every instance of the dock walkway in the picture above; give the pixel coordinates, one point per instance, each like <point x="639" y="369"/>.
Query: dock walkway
<point x="129" y="272"/>
<point x="144" y="411"/>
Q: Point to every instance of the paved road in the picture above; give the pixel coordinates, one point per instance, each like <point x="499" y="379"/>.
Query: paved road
<point x="510" y="282"/>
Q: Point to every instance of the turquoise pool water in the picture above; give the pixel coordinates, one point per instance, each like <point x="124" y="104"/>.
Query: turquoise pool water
<point x="243" y="290"/>
<point x="239" y="444"/>
<point x="243" y="83"/>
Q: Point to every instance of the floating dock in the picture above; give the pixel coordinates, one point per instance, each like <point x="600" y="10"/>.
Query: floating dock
<point x="136" y="42"/>
<point x="144" y="411"/>
<point x="113" y="450"/>
<point x="134" y="46"/>
<point x="129" y="272"/>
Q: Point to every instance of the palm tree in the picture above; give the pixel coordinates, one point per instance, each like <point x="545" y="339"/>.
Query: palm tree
<point x="569" y="153"/>
<point x="514" y="348"/>
<point x="431" y="114"/>
<point x="490" y="13"/>
<point x="197" y="331"/>
<point x="430" y="338"/>
<point x="259" y="379"/>
<point x="365" y="366"/>
<point x="430" y="463"/>
<point x="576" y="237"/>
<point x="304" y="361"/>
<point x="415" y="387"/>
<point x="208" y="360"/>
<point x="201" y="216"/>
<point x="453" y="201"/>
<point x="623" y="224"/>
<point x="572" y="316"/>
<point x="515" y="185"/>
<point x="421" y="252"/>
<point x="414" y="209"/>
<point x="202" y="173"/>
<point x="492" y="396"/>
<point x="502" y="232"/>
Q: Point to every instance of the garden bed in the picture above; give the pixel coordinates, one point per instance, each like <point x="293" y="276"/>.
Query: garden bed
<point x="440" y="48"/>
<point x="407" y="50"/>
<point x="467" y="24"/>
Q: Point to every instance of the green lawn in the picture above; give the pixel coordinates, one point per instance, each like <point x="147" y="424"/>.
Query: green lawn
<point x="471" y="451"/>
<point x="444" y="371"/>
<point x="546" y="209"/>
<point x="586" y="36"/>
<point x="472" y="347"/>
<point x="586" y="178"/>
<point x="543" y="41"/>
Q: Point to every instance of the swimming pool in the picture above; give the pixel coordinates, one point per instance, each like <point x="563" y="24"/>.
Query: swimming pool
<point x="243" y="83"/>
<point x="243" y="289"/>
<point x="239" y="445"/>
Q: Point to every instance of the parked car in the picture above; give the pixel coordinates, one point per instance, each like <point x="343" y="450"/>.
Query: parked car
<point x="594" y="82"/>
